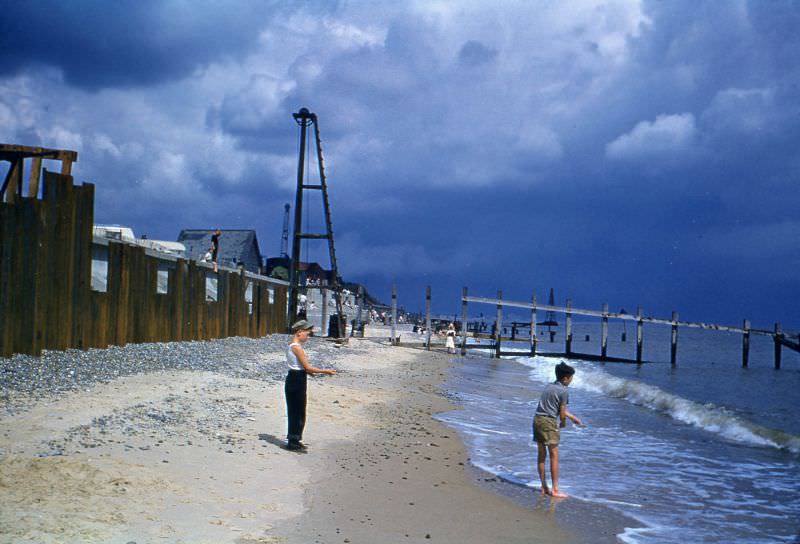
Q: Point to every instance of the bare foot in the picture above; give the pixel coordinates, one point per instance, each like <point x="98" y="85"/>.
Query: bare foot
<point x="545" y="490"/>
<point x="556" y="494"/>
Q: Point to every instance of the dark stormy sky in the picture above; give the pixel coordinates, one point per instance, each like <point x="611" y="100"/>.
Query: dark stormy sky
<point x="629" y="152"/>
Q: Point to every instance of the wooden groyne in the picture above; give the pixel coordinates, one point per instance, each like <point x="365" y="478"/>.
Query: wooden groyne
<point x="46" y="296"/>
<point x="779" y="338"/>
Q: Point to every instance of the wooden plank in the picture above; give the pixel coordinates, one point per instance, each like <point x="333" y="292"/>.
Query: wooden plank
<point x="113" y="292"/>
<point x="181" y="285"/>
<point x="464" y="318"/>
<point x="16" y="295"/>
<point x="569" y="327"/>
<point x="36" y="172"/>
<point x="499" y="323"/>
<point x="639" y="334"/>
<point x="746" y="343"/>
<point x="83" y="265"/>
<point x="150" y="317"/>
<point x="532" y="330"/>
<point x="50" y="317"/>
<point x="191" y="303"/>
<point x="280" y="318"/>
<point x="673" y="351"/>
<point x="100" y="323"/>
<point x="175" y="312"/>
<point x="604" y="332"/>
<point x="63" y="250"/>
<point x="6" y="216"/>
<point x="427" y="317"/>
<point x="26" y="281"/>
<point x="9" y="151"/>
<point x="140" y="295"/>
<point x="13" y="181"/>
<point x="627" y="317"/>
<point x="123" y="296"/>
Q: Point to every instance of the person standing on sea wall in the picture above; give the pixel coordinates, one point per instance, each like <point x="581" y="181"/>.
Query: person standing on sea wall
<point x="215" y="247"/>
<point x="295" y="388"/>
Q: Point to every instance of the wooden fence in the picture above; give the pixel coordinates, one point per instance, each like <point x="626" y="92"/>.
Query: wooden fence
<point x="46" y="300"/>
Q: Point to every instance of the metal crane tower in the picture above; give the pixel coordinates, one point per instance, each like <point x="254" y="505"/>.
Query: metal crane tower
<point x="305" y="119"/>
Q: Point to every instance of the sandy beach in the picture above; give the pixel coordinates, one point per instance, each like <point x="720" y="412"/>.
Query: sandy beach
<point x="196" y="457"/>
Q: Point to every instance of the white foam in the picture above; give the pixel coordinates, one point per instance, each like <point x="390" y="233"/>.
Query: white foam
<point x="712" y="418"/>
<point x="472" y="427"/>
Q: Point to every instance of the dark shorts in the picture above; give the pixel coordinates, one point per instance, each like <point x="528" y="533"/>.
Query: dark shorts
<point x="545" y="431"/>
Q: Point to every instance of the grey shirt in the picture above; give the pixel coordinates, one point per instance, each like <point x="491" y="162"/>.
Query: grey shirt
<point x="553" y="396"/>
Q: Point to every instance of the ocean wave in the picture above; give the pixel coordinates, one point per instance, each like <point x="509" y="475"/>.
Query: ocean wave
<point x="709" y="417"/>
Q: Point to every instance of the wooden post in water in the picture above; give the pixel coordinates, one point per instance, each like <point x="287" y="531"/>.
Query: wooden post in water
<point x="464" y="321"/>
<point x="569" y="326"/>
<point x="604" y="333"/>
<point x="673" y="353"/>
<point x="746" y="343"/>
<point x="499" y="324"/>
<point x="394" y="315"/>
<point x="639" y="334"/>
<point x="428" y="317"/>
<point x="777" y="337"/>
<point x="533" y="324"/>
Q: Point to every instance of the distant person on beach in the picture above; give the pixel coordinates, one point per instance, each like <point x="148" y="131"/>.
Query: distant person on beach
<point x="552" y="406"/>
<point x="295" y="388"/>
<point x="450" y="342"/>
<point x="215" y="247"/>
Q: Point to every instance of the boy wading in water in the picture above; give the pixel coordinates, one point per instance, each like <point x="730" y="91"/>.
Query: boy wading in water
<point x="552" y="406"/>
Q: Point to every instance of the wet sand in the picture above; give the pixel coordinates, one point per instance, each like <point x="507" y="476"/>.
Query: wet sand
<point x="196" y="457"/>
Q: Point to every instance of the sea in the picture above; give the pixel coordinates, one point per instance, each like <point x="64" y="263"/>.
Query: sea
<point x="706" y="451"/>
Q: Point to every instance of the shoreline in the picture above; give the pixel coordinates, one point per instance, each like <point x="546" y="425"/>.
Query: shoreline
<point x="186" y="454"/>
<point x="589" y="522"/>
<point x="407" y="478"/>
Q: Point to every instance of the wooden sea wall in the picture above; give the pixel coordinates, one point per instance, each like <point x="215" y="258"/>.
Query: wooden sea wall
<point x="46" y="300"/>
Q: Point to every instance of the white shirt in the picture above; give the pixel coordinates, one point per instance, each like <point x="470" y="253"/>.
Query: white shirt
<point x="291" y="358"/>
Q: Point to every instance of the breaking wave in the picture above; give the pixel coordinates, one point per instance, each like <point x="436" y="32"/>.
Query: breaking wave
<point x="709" y="417"/>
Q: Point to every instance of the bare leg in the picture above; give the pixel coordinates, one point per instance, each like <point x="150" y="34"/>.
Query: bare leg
<point x="554" y="472"/>
<point x="540" y="460"/>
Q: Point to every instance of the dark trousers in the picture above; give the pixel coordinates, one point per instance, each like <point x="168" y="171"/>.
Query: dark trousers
<point x="295" y="390"/>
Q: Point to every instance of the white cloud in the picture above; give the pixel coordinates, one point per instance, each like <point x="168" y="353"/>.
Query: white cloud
<point x="666" y="136"/>
<point x="103" y="142"/>
<point x="61" y="138"/>
<point x="742" y="111"/>
<point x="257" y="102"/>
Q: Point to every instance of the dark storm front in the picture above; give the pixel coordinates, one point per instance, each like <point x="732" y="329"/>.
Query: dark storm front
<point x="704" y="452"/>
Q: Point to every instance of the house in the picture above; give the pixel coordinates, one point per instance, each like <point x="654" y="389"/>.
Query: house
<point x="310" y="273"/>
<point x="236" y="247"/>
<point x="118" y="233"/>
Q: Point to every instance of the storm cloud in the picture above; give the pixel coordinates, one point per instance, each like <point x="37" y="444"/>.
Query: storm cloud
<point x="626" y="151"/>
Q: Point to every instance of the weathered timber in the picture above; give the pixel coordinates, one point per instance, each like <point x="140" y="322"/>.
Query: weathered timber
<point x="46" y="300"/>
<point x="623" y="316"/>
<point x="499" y="323"/>
<point x="428" y="317"/>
